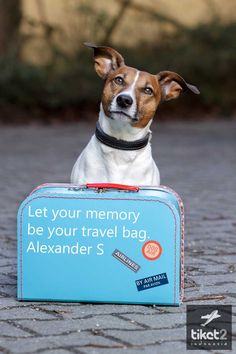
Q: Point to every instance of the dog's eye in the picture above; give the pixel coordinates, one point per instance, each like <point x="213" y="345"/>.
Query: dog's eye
<point x="119" y="80"/>
<point x="148" y="91"/>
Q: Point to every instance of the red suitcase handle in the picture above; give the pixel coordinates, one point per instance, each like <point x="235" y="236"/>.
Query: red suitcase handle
<point x="113" y="186"/>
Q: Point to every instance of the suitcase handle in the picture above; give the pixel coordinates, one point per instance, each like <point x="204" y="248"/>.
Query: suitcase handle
<point x="113" y="186"/>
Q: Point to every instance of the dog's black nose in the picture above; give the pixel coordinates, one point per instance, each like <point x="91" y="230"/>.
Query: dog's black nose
<point x="124" y="101"/>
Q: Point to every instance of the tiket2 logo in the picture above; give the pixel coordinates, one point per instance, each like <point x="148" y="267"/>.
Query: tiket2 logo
<point x="213" y="333"/>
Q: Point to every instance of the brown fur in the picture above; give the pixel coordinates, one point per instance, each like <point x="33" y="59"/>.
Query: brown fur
<point x="147" y="105"/>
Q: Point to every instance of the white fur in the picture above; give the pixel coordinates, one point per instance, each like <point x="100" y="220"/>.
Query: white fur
<point x="99" y="163"/>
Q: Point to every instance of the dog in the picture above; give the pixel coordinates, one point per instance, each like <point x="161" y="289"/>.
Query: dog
<point x="120" y="150"/>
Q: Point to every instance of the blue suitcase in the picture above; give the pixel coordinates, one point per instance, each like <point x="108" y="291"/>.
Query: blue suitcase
<point x="101" y="243"/>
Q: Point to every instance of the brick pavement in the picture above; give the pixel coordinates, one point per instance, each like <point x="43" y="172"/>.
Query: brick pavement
<point x="198" y="161"/>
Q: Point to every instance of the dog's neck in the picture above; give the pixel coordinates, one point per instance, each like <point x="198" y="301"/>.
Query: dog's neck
<point x="121" y="130"/>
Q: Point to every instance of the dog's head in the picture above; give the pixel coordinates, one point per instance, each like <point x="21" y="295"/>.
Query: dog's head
<point x="132" y="95"/>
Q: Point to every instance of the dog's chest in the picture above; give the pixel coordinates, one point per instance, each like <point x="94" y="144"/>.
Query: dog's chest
<point x="114" y="164"/>
<point x="118" y="157"/>
<point x="100" y="163"/>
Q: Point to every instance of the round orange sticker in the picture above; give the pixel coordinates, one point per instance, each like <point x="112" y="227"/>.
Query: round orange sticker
<point x="151" y="250"/>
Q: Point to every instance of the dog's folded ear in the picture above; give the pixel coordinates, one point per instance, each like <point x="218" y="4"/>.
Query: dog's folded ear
<point x="106" y="59"/>
<point x="172" y="84"/>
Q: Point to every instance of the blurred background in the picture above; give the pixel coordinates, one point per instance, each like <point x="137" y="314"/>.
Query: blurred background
<point x="49" y="101"/>
<point x="47" y="75"/>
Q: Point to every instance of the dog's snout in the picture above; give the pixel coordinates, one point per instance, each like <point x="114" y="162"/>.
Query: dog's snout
<point x="124" y="101"/>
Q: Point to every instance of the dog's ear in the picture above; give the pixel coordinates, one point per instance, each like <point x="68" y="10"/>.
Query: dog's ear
<point x="106" y="59"/>
<point x="172" y="84"/>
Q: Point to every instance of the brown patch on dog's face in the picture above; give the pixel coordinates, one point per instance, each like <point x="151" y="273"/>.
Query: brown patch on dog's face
<point x="143" y="87"/>
<point x="148" y="95"/>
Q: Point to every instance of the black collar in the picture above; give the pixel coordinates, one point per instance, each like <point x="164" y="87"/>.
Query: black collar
<point x="118" y="143"/>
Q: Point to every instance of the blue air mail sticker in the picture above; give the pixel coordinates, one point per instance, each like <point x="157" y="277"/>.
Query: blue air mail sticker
<point x="126" y="260"/>
<point x="151" y="282"/>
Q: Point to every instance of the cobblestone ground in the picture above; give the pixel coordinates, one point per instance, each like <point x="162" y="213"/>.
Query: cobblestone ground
<point x="198" y="161"/>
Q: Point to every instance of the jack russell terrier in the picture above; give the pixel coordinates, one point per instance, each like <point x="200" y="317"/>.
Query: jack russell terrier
<point x="120" y="150"/>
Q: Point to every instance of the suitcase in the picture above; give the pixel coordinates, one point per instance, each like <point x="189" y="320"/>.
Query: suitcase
<point x="104" y="243"/>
